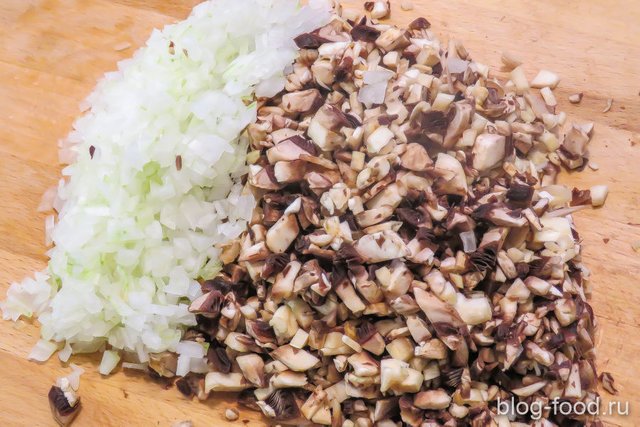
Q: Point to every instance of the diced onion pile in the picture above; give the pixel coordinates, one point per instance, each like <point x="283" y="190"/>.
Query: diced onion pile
<point x="153" y="182"/>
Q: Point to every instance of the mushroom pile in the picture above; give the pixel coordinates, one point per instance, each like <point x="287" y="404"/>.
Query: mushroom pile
<point x="411" y="258"/>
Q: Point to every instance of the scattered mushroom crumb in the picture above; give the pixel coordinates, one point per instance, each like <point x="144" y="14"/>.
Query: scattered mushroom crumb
<point x="606" y="240"/>
<point x="406" y="5"/>
<point x="231" y="414"/>
<point x="593" y="165"/>
<point x="575" y="98"/>
<point x="185" y="423"/>
<point x="607" y="108"/>
<point x="379" y="9"/>
<point x="636" y="245"/>
<point x="606" y="379"/>
<point x="65" y="404"/>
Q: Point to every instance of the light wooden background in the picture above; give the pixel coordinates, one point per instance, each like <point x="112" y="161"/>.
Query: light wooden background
<point x="52" y="52"/>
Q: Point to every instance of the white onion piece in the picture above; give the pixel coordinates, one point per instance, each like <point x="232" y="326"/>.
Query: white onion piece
<point x="42" y="351"/>
<point x="65" y="353"/>
<point x="74" y="376"/>
<point x="48" y="199"/>
<point x="109" y="361"/>
<point x="183" y="365"/>
<point x="190" y="348"/>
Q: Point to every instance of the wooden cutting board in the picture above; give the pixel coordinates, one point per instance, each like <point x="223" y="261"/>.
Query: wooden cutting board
<point x="52" y="52"/>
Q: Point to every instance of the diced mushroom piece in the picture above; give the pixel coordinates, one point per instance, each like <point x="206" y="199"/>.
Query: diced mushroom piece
<point x="540" y="355"/>
<point x="252" y="367"/>
<point x="375" y="344"/>
<point x="380" y="9"/>
<point x="65" y="405"/>
<point x="324" y="126"/>
<point x="208" y="304"/>
<point x="284" y="324"/>
<point x="382" y="246"/>
<point x="538" y="286"/>
<point x="288" y="172"/>
<point x="488" y="151"/>
<point x="348" y="295"/>
<point x="283" y="286"/>
<point x="296" y="359"/>
<point x="378" y="140"/>
<point x="574" y="147"/>
<point x="374" y="216"/>
<point x="440" y="313"/>
<point x="288" y="379"/>
<point x="396" y="375"/>
<point x="217" y="381"/>
<point x="401" y="349"/>
<point x="418" y="329"/>
<point x="416" y="158"/>
<point x="460" y="122"/>
<point x="395" y="279"/>
<point x="290" y="149"/>
<point x="510" y="61"/>
<point x="302" y="102"/>
<point x="573" y="388"/>
<point x="565" y="311"/>
<point x="452" y="177"/>
<point x="474" y="310"/>
<point x="282" y="233"/>
<point x="262" y="178"/>
<point x="364" y="365"/>
<point x="432" y="399"/>
<point x="545" y="78"/>
<point x="529" y="390"/>
<point x="433" y="349"/>
<point x="392" y="39"/>
<point x="164" y="364"/>
<point x="575" y="98"/>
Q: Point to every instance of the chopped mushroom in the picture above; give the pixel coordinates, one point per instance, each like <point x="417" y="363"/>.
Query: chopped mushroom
<point x="411" y="257"/>
<point x="64" y="403"/>
<point x="575" y="98"/>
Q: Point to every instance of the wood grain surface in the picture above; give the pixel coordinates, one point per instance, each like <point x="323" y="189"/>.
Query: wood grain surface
<point x="53" y="51"/>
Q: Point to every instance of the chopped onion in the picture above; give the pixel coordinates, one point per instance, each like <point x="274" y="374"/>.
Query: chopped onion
<point x="42" y="351"/>
<point x="190" y="348"/>
<point x="65" y="353"/>
<point x="183" y="365"/>
<point x="73" y="378"/>
<point x="134" y="231"/>
<point x="109" y="361"/>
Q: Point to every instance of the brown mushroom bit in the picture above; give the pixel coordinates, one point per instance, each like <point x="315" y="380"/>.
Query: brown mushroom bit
<point x="411" y="256"/>
<point x="65" y="404"/>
